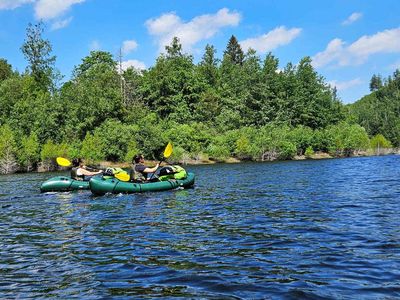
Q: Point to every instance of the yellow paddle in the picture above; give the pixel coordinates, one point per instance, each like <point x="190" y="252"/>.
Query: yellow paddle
<point x="167" y="153"/>
<point x="168" y="150"/>
<point x="123" y="176"/>
<point x="63" y="162"/>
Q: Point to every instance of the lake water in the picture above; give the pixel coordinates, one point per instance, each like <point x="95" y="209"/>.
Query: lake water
<point x="326" y="229"/>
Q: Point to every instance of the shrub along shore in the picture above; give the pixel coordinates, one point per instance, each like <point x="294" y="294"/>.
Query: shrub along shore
<point x="203" y="160"/>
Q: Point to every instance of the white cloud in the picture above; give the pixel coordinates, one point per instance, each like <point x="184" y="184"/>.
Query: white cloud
<point x="344" y="85"/>
<point x="277" y="37"/>
<point x="128" y="46"/>
<point x="136" y="64"/>
<point x="12" y="4"/>
<point x="50" y="9"/>
<point x="332" y="52"/>
<point x="199" y="28"/>
<point x="358" y="52"/>
<point x="352" y="18"/>
<point x="94" y="46"/>
<point x="61" y="24"/>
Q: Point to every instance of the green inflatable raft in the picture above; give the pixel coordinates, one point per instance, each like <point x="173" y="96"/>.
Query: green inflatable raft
<point x="102" y="185"/>
<point x="63" y="184"/>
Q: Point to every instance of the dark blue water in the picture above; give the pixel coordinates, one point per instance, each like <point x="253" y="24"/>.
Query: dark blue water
<point x="326" y="229"/>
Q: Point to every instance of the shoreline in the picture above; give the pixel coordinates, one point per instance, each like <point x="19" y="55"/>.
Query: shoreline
<point x="232" y="160"/>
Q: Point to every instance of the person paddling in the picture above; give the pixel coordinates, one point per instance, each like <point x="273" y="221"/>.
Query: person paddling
<point x="79" y="171"/>
<point x="140" y="170"/>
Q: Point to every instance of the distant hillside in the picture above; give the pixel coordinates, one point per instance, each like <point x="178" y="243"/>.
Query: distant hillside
<point x="379" y="112"/>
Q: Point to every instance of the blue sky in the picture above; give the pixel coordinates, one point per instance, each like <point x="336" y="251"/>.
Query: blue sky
<point x="348" y="40"/>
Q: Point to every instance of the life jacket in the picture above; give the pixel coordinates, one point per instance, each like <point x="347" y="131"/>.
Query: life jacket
<point x="74" y="174"/>
<point x="136" y="175"/>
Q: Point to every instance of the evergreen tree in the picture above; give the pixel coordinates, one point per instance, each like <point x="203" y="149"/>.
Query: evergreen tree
<point x="375" y="83"/>
<point x="171" y="87"/>
<point x="175" y="49"/>
<point x="253" y="101"/>
<point x="234" y="51"/>
<point x="5" y="70"/>
<point x="208" y="66"/>
<point x="272" y="80"/>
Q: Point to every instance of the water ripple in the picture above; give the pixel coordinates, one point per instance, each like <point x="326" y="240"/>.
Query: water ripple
<point x="324" y="229"/>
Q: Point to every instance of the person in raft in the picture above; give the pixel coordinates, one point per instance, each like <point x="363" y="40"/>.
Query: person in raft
<point x="140" y="170"/>
<point x="79" y="171"/>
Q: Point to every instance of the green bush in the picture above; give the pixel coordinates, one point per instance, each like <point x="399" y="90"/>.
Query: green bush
<point x="50" y="151"/>
<point x="92" y="148"/>
<point x="8" y="148"/>
<point x="379" y="141"/>
<point x="287" y="150"/>
<point x="218" y="152"/>
<point x="309" y="152"/>
<point x="29" y="152"/>
<point x="113" y="138"/>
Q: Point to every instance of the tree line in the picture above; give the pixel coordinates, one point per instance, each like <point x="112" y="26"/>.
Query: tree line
<point x="239" y="106"/>
<point x="379" y="112"/>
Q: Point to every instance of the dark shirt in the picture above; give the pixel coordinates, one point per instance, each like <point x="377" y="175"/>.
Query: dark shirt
<point x="137" y="173"/>
<point x="140" y="168"/>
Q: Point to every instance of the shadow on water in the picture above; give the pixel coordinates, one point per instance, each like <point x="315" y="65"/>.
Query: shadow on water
<point x="310" y="229"/>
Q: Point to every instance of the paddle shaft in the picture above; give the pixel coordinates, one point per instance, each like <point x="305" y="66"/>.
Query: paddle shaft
<point x="152" y="175"/>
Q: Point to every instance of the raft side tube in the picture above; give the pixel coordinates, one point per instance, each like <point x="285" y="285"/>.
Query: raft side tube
<point x="100" y="186"/>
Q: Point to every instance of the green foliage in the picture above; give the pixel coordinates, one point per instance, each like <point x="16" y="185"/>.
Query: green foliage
<point x="193" y="137"/>
<point x="375" y="83"/>
<point x="37" y="52"/>
<point x="92" y="97"/>
<point x="379" y="141"/>
<point x="50" y="151"/>
<point x="179" y="155"/>
<point x="7" y="140"/>
<point x="241" y="106"/>
<point x="234" y="51"/>
<point x="92" y="148"/>
<point x="8" y="148"/>
<point x="149" y="135"/>
<point x="309" y="152"/>
<point x="170" y="87"/>
<point x="286" y="150"/>
<point x="115" y="138"/>
<point x="218" y="152"/>
<point x="5" y="70"/>
<point x="29" y="152"/>
<point x="132" y="151"/>
<point x="346" y="138"/>
<point x="95" y="63"/>
<point x="302" y="137"/>
<point x="379" y="112"/>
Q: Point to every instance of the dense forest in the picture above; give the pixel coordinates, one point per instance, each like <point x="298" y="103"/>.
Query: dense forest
<point x="240" y="106"/>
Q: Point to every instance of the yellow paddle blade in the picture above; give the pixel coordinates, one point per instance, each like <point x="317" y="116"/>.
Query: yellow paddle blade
<point x="63" y="162"/>
<point x="123" y="176"/>
<point x="168" y="150"/>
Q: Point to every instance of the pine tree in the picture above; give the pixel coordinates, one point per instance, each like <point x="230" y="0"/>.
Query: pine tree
<point x="208" y="66"/>
<point x="234" y="51"/>
<point x="375" y="83"/>
<point x="175" y="49"/>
